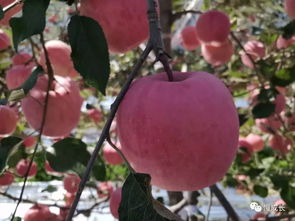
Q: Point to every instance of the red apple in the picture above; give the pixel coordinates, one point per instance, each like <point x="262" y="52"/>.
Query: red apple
<point x="213" y="27"/>
<point x="248" y="149"/>
<point x="268" y="125"/>
<point x="259" y="217"/>
<point x="218" y="55"/>
<point x="115" y="202"/>
<point x="10" y="13"/>
<point x="104" y="189"/>
<point x="95" y="115"/>
<point x="111" y="156"/>
<point x="17" y="75"/>
<point x="280" y="143"/>
<point x="71" y="183"/>
<point x="49" y="169"/>
<point x="125" y="27"/>
<point x="21" y="58"/>
<point x="30" y="141"/>
<point x="64" y="106"/>
<point x="70" y="198"/>
<point x="289" y="6"/>
<point x="8" y="119"/>
<point x="4" y="40"/>
<point x="175" y="131"/>
<point x="189" y="37"/>
<point x="60" y="58"/>
<point x="255" y="141"/>
<point x="6" y="179"/>
<point x="255" y="49"/>
<point x="38" y="212"/>
<point x="283" y="43"/>
<point x="23" y="166"/>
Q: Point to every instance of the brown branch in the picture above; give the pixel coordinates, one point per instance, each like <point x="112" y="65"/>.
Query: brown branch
<point x="50" y="79"/>
<point x="224" y="202"/>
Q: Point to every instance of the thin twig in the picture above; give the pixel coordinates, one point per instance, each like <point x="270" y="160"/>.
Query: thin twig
<point x="120" y="153"/>
<point x="50" y="79"/>
<point x="224" y="202"/>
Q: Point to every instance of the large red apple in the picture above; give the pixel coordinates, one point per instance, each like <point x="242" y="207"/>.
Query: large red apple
<point x="124" y="22"/>
<point x="115" y="202"/>
<point x="23" y="166"/>
<point x="183" y="133"/>
<point x="38" y="212"/>
<point x="10" y="13"/>
<point x="111" y="156"/>
<point x="189" y="37"/>
<point x="17" y="75"/>
<point x="64" y="105"/>
<point x="289" y="6"/>
<point x="8" y="119"/>
<point x="6" y="179"/>
<point x="60" y="58"/>
<point x="217" y="55"/>
<point x="213" y="27"/>
<point x="71" y="183"/>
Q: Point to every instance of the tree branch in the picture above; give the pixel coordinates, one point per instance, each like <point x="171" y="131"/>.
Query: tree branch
<point x="224" y="202"/>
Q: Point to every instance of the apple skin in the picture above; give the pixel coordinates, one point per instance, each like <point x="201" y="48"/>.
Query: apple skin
<point x="71" y="183"/>
<point x="124" y="27"/>
<point x="283" y="43"/>
<point x="289" y="6"/>
<point x="60" y="58"/>
<point x="4" y="40"/>
<point x="38" y="212"/>
<point x="217" y="55"/>
<point x="17" y="75"/>
<point x="10" y="13"/>
<point x="256" y="141"/>
<point x="175" y="131"/>
<point x="22" y="167"/>
<point x="255" y="49"/>
<point x="21" y="58"/>
<point x="111" y="156"/>
<point x="30" y="141"/>
<point x="213" y="28"/>
<point x="115" y="201"/>
<point x="105" y="189"/>
<point x="247" y="153"/>
<point x="279" y="143"/>
<point x="64" y="106"/>
<point x="189" y="38"/>
<point x="8" y="119"/>
<point x="6" y="179"/>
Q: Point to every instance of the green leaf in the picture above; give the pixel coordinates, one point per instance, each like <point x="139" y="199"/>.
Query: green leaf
<point x="288" y="195"/>
<point x="17" y="218"/>
<point x="289" y="30"/>
<point x="254" y="172"/>
<point x="280" y="182"/>
<point x="32" y="21"/>
<point x="16" y="156"/>
<point x="6" y="147"/>
<point x="243" y="118"/>
<point x="260" y="190"/>
<point x="89" y="51"/>
<point x="99" y="170"/>
<point x="1" y="12"/>
<point x="22" y="91"/>
<point x="68" y="154"/>
<point x="137" y="203"/>
<point x="49" y="189"/>
<point x="283" y="77"/>
<point x="263" y="110"/>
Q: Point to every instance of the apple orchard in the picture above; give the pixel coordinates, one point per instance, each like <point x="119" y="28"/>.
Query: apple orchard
<point x="201" y="92"/>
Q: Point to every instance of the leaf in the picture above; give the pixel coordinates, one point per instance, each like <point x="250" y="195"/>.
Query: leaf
<point x="17" y="218"/>
<point x="243" y="118"/>
<point x="99" y="170"/>
<point x="263" y="110"/>
<point x="283" y="77"/>
<point x="254" y="172"/>
<point x="6" y="147"/>
<point x="16" y="156"/>
<point x="137" y="203"/>
<point x="22" y="91"/>
<point x="1" y="12"/>
<point x="89" y="51"/>
<point x="260" y="190"/>
<point x="49" y="189"/>
<point x="289" y="30"/>
<point x="69" y="153"/>
<point x="32" y="21"/>
<point x="288" y="195"/>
